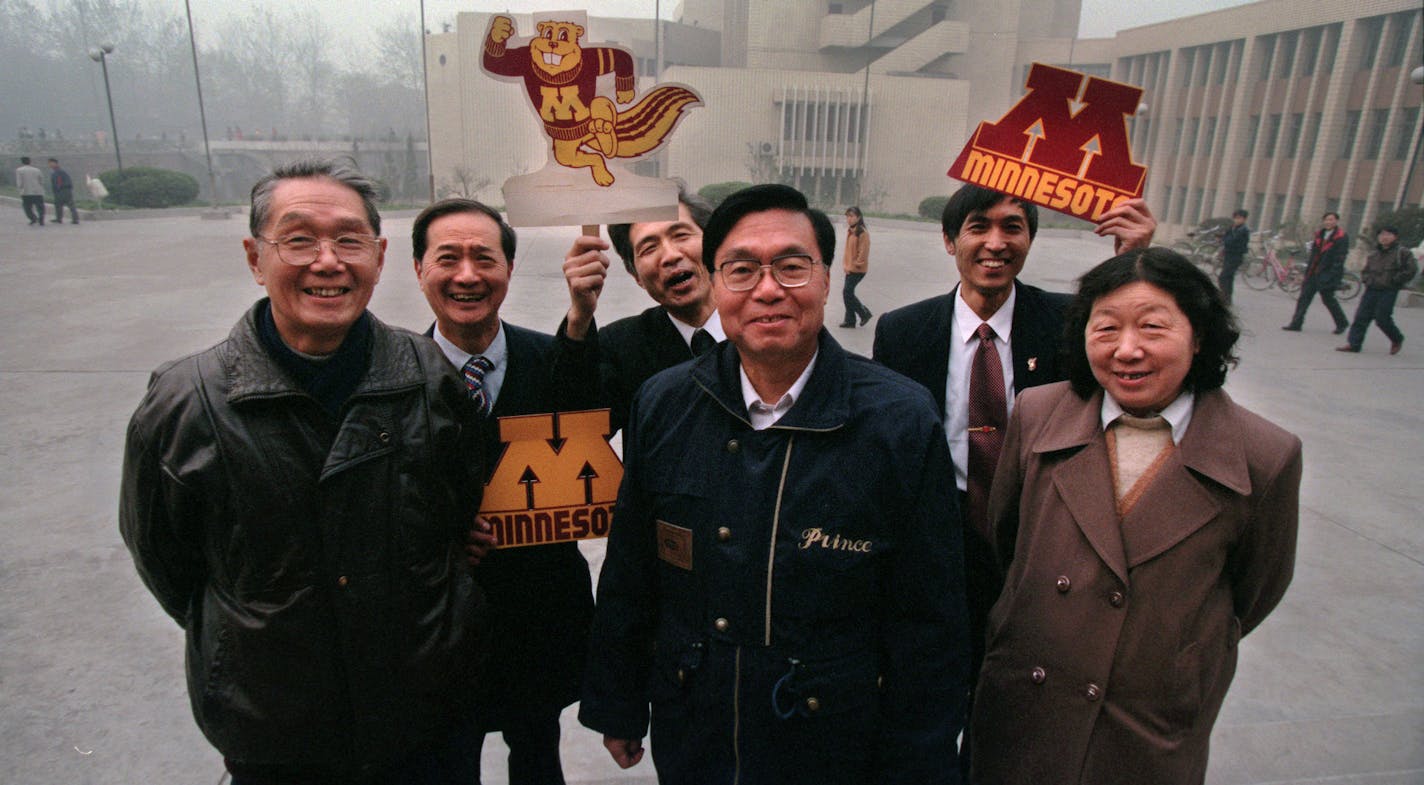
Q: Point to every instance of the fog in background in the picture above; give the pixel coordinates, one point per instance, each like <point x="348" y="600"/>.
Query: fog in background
<point x="345" y="70"/>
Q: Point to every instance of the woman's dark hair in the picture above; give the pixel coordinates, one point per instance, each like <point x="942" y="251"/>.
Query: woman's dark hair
<point x="860" y="226"/>
<point x="1213" y="324"/>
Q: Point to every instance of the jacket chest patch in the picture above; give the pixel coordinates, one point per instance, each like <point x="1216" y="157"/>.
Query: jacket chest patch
<point x="675" y="545"/>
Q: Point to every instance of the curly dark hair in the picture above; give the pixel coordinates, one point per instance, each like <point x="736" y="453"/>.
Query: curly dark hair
<point x="1213" y="324"/>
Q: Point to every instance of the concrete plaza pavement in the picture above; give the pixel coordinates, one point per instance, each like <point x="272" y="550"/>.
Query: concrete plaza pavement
<point x="91" y="671"/>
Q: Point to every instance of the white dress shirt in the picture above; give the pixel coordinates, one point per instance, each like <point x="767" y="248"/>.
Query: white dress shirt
<point x="1178" y="413"/>
<point x="763" y="415"/>
<point x="713" y="326"/>
<point x="497" y="353"/>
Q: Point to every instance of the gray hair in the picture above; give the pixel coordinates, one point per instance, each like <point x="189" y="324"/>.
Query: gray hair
<point x="343" y="171"/>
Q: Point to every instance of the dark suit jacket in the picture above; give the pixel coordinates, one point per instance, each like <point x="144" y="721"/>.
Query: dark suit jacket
<point x="1146" y="607"/>
<point x="540" y="597"/>
<point x="620" y="357"/>
<point x="915" y="340"/>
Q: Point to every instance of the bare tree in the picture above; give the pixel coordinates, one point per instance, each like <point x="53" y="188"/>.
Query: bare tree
<point x="463" y="181"/>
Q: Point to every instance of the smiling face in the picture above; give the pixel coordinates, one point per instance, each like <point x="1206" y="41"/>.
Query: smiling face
<point x="771" y="325"/>
<point x="465" y="276"/>
<point x="314" y="306"/>
<point x="1140" y="346"/>
<point x="556" y="49"/>
<point x="1329" y="222"/>
<point x="667" y="258"/>
<point x="989" y="251"/>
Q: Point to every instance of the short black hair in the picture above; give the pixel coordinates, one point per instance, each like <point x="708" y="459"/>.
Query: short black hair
<point x="1213" y="324"/>
<point x="976" y="199"/>
<point x="54" y="160"/>
<point x="419" y="232"/>
<point x="1242" y="213"/>
<point x="24" y="159"/>
<point x="620" y="235"/>
<point x="759" y="199"/>
<point x="1329" y="213"/>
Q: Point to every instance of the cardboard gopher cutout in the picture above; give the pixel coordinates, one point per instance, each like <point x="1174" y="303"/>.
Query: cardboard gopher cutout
<point x="566" y="81"/>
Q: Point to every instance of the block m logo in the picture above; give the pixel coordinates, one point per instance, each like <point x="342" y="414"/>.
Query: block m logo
<point x="1073" y="124"/>
<point x="553" y="460"/>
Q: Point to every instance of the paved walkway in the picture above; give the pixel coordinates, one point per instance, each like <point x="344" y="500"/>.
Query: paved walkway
<point x="91" y="682"/>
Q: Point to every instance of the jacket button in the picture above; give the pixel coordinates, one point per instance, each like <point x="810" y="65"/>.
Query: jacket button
<point x="734" y="446"/>
<point x="721" y="625"/>
<point x="880" y="681"/>
<point x="1116" y="599"/>
<point x="384" y="437"/>
<point x="681" y="675"/>
<point x="1038" y="675"/>
<point x="1064" y="584"/>
<point x="723" y="533"/>
<point x="342" y="581"/>
<point x="813" y="705"/>
<point x="1093" y="692"/>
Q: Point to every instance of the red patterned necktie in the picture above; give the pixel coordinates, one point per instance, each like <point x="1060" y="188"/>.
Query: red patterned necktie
<point x="474" y="373"/>
<point x="987" y="418"/>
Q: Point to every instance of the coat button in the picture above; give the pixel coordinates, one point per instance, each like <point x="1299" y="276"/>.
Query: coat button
<point x="1064" y="584"/>
<point x="681" y="675"/>
<point x="1116" y="599"/>
<point x="723" y="533"/>
<point x="384" y="437"/>
<point x="813" y="705"/>
<point x="880" y="682"/>
<point x="721" y="625"/>
<point x="342" y="581"/>
<point x="734" y="446"/>
<point x="1093" y="692"/>
<point x="1038" y="675"/>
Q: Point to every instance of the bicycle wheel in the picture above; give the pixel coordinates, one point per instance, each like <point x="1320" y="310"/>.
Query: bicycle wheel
<point x="1294" y="278"/>
<point x="1257" y="274"/>
<point x="1349" y="286"/>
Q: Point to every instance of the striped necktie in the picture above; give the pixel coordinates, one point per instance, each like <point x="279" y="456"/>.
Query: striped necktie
<point x="474" y="373"/>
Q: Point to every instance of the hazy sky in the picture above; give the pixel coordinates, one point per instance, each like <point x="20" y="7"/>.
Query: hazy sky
<point x="1100" y="18"/>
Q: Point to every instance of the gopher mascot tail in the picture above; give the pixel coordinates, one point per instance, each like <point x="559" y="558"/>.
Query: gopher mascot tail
<point x="643" y="126"/>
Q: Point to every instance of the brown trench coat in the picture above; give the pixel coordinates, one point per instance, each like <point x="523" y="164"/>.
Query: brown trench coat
<point x="1114" y="641"/>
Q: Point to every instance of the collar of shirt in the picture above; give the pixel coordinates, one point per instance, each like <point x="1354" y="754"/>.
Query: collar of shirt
<point x="1178" y="413"/>
<point x="765" y="415"/>
<point x="962" y="347"/>
<point x="497" y="352"/>
<point x="713" y="326"/>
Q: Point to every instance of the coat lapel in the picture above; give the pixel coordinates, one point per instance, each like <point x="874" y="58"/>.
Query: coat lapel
<point x="1084" y="480"/>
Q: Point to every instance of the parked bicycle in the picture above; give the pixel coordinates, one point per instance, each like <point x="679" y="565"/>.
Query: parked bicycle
<point x="1202" y="246"/>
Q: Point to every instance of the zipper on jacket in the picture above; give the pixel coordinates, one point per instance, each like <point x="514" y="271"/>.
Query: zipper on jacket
<point x="775" y="526"/>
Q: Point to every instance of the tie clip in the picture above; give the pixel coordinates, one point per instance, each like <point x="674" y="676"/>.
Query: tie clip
<point x="983" y="429"/>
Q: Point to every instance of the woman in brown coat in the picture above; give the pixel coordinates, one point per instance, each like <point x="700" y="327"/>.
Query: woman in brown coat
<point x="856" y="264"/>
<point x="1146" y="523"/>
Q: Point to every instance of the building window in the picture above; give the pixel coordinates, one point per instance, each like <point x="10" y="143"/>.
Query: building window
<point x="1310" y="50"/>
<point x="1352" y="127"/>
<point x="1191" y="148"/>
<point x="1379" y="119"/>
<point x="1399" y="40"/>
<point x="1371" y="32"/>
<point x="1297" y="125"/>
<point x="1240" y="200"/>
<point x="1177" y="140"/>
<point x="1329" y="46"/>
<point x="1251" y="136"/>
<point x="1268" y="46"/>
<point x="1312" y="132"/>
<point x="1181" y="202"/>
<point x="1278" y="209"/>
<point x="1331" y="206"/>
<point x="1189" y="61"/>
<point x="1223" y="56"/>
<point x="1272" y="132"/>
<point x="1210" y="135"/>
<point x="1287" y="58"/>
<point x="1357" y="213"/>
<point x="1406" y="133"/>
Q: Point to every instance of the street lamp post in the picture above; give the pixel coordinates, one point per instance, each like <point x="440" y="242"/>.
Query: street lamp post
<point x="99" y="54"/>
<point x="202" y="112"/>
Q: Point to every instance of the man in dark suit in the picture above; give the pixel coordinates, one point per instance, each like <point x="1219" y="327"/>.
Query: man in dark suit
<point x="934" y="342"/>
<point x="540" y="597"/>
<point x="665" y="258"/>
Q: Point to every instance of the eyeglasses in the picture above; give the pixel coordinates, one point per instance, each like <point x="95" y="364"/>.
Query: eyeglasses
<point x="790" y="270"/>
<point x="300" y="250"/>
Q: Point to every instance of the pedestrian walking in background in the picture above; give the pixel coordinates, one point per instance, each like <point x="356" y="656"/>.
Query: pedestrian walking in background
<point x="63" y="187"/>
<point x="30" y="181"/>
<point x="1234" y="245"/>
<point x="1327" y="264"/>
<point x="1387" y="270"/>
<point x="856" y="264"/>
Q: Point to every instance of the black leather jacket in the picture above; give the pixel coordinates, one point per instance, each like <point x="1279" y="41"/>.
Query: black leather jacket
<point x="316" y="565"/>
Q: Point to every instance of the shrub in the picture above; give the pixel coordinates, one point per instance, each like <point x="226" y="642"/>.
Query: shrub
<point x="716" y="192"/>
<point x="147" y="186"/>
<point x="932" y="207"/>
